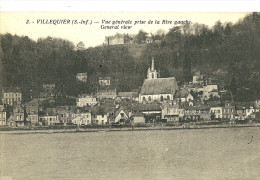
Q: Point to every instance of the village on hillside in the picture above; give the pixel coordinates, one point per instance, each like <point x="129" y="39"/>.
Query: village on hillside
<point x="159" y="101"/>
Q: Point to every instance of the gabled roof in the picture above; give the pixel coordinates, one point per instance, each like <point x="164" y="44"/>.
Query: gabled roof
<point x="241" y="105"/>
<point x="126" y="111"/>
<point x="159" y="86"/>
<point x="145" y="107"/>
<point x="213" y="103"/>
<point x="82" y="74"/>
<point x="202" y="107"/>
<point x="104" y="78"/>
<point x="137" y="114"/>
<point x="101" y="110"/>
<point x="128" y="94"/>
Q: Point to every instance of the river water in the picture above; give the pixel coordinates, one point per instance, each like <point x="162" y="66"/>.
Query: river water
<point x="228" y="153"/>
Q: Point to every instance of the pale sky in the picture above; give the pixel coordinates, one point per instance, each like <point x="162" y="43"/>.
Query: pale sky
<point x="93" y="35"/>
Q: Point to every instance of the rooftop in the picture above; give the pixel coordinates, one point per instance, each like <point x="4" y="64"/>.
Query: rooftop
<point x="128" y="94"/>
<point x="159" y="86"/>
<point x="104" y="78"/>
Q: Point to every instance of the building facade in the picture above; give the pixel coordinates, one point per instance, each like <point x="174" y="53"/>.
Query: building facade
<point x="82" y="119"/>
<point x="86" y="100"/>
<point x="170" y="113"/>
<point x="12" y="98"/>
<point x="129" y="95"/>
<point x="104" y="81"/>
<point x="229" y="111"/>
<point x="100" y="119"/>
<point x="48" y="120"/>
<point x="48" y="91"/>
<point x="2" y="115"/>
<point x="197" y="78"/>
<point x="107" y="94"/>
<point x="121" y="115"/>
<point x="82" y="77"/>
<point x="217" y="112"/>
<point x="161" y="89"/>
<point x="157" y="89"/>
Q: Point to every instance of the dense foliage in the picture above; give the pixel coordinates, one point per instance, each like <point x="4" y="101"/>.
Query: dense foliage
<point x="230" y="53"/>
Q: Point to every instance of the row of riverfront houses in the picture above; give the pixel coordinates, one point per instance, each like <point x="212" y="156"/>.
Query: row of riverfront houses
<point x="159" y="100"/>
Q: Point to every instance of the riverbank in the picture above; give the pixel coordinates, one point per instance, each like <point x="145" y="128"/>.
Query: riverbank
<point x="111" y="129"/>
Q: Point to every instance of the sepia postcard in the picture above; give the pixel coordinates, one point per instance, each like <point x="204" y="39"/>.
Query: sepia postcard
<point x="129" y="95"/>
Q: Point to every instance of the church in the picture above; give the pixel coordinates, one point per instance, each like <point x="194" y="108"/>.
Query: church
<point x="157" y="89"/>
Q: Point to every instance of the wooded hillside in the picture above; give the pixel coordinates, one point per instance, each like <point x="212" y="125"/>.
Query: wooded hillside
<point x="230" y="53"/>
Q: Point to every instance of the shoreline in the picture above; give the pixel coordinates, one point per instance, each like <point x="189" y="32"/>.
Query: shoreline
<point x="88" y="130"/>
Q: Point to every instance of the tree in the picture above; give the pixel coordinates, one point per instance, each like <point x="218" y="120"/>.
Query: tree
<point x="141" y="37"/>
<point x="173" y="37"/>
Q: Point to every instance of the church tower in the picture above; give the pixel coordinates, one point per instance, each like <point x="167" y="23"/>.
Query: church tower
<point x="152" y="73"/>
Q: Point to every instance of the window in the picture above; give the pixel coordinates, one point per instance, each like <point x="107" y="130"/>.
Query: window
<point x="168" y="97"/>
<point x="143" y="98"/>
<point x="152" y="76"/>
<point x="149" y="98"/>
<point x="161" y="98"/>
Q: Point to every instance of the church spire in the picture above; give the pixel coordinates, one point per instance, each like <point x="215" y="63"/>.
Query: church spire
<point x="152" y="73"/>
<point x="152" y="68"/>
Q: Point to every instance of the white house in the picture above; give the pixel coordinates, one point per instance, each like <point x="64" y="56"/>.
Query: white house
<point x="82" y="119"/>
<point x="249" y="111"/>
<point x="2" y="118"/>
<point x="100" y="119"/>
<point x="48" y="120"/>
<point x="86" y="100"/>
<point x="12" y="98"/>
<point x="217" y="111"/>
<point x="210" y="90"/>
<point x="104" y="81"/>
<point x="121" y="115"/>
<point x="189" y="98"/>
<point x="197" y="78"/>
<point x="138" y="118"/>
<point x="170" y="113"/>
<point x="2" y="115"/>
<point x="82" y="77"/>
